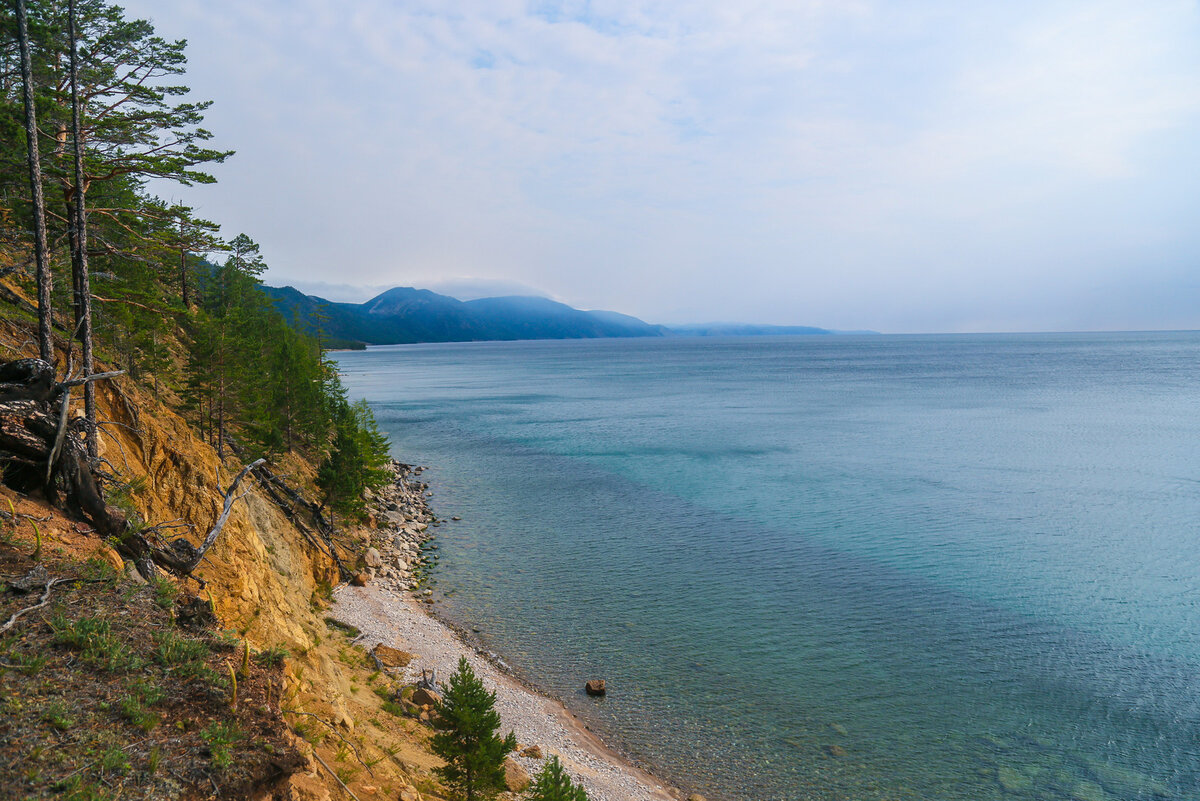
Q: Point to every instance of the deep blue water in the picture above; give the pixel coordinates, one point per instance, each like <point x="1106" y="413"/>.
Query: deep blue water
<point x="942" y="567"/>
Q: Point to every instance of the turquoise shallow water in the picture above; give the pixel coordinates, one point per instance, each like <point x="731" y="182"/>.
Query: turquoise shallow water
<point x="832" y="567"/>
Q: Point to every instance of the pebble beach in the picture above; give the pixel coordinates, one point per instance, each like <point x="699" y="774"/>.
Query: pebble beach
<point x="383" y="616"/>
<point x="386" y="604"/>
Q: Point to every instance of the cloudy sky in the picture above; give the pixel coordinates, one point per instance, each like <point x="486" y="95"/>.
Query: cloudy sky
<point x="914" y="165"/>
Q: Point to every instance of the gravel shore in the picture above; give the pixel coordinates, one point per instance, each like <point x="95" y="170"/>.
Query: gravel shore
<point x="383" y="616"/>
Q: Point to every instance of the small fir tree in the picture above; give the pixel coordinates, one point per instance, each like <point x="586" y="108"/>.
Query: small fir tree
<point x="553" y="784"/>
<point x="467" y="738"/>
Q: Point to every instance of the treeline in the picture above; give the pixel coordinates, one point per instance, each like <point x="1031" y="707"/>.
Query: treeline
<point x="151" y="287"/>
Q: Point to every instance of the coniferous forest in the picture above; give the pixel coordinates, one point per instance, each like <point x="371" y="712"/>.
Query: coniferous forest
<point x="94" y="111"/>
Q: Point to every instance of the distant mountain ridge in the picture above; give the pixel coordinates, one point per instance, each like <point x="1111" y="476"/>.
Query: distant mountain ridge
<point x="406" y="315"/>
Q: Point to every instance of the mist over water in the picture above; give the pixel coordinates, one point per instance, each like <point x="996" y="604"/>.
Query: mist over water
<point x="832" y="567"/>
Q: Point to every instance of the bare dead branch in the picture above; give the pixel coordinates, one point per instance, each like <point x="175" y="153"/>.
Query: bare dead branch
<point x="230" y="497"/>
<point x="333" y="729"/>
<point x="350" y="793"/>
<point x="62" y="433"/>
<point x="93" y="377"/>
<point x="45" y="600"/>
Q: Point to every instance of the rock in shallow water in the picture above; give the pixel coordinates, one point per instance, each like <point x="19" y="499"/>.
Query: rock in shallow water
<point x="1013" y="780"/>
<point x="595" y="687"/>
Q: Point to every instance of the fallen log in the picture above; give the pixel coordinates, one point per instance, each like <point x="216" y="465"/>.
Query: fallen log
<point x="289" y="500"/>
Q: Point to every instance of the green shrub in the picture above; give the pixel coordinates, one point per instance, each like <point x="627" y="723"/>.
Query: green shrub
<point x="553" y="784"/>
<point x="467" y="738"/>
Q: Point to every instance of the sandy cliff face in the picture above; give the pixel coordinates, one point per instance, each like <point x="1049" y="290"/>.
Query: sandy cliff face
<point x="261" y="572"/>
<point x="269" y="584"/>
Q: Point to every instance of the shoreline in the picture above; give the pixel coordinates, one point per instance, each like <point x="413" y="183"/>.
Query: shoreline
<point x="389" y="605"/>
<point x="386" y="617"/>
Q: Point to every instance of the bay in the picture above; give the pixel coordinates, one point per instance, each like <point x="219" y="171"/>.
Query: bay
<point x="865" y="567"/>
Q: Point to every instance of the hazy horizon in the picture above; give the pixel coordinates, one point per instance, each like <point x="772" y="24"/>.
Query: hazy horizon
<point x="935" y="167"/>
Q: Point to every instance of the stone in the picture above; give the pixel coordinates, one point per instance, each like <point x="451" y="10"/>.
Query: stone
<point x="372" y="559"/>
<point x="595" y="687"/>
<point x="834" y="750"/>
<point x="392" y="657"/>
<point x="839" y="728"/>
<point x="422" y="696"/>
<point x="410" y="794"/>
<point x="533" y="752"/>
<point x="131" y="573"/>
<point x="361" y="578"/>
<point x="516" y="778"/>
<point x="110" y="556"/>
<point x="1124" y="782"/>
<point x="696" y="797"/>
<point x="1089" y="791"/>
<point x="195" y="612"/>
<point x="1013" y="780"/>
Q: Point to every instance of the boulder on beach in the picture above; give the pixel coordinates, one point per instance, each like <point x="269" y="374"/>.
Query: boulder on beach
<point x="595" y="687"/>
<point x="392" y="657"/>
<point x="372" y="559"/>
<point x="422" y="696"/>
<point x="532" y="752"/>
<point x="516" y="778"/>
<point x="360" y="578"/>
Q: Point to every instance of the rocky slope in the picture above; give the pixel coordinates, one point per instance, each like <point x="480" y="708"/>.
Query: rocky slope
<point x="269" y="580"/>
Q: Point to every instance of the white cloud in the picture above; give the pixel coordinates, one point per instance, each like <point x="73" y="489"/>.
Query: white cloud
<point x="854" y="164"/>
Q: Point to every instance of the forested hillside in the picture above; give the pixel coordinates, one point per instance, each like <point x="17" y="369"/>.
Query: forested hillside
<point x="136" y="283"/>
<point x="405" y="314"/>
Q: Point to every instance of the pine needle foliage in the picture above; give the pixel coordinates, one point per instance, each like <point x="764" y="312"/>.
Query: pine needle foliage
<point x="553" y="784"/>
<point x="468" y="738"/>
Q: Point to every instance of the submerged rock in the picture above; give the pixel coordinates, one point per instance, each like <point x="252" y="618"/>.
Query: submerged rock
<point x="1013" y="780"/>
<point x="1089" y="791"/>
<point x="1125" y="782"/>
<point x="595" y="687"/>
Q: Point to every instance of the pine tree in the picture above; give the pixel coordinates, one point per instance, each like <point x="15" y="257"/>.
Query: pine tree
<point x="37" y="202"/>
<point x="553" y="784"/>
<point x="356" y="460"/>
<point x="468" y="740"/>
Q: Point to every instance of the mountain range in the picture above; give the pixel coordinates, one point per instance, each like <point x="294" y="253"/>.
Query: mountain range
<point x="407" y="315"/>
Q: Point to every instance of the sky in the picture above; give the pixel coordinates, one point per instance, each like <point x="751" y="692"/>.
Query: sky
<point x="915" y="166"/>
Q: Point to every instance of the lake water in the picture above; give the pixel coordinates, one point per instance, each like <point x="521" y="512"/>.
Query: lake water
<point x="939" y="567"/>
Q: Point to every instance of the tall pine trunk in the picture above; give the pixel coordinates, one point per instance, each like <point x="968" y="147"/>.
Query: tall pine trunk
<point x="44" y="278"/>
<point x="183" y="278"/>
<point x="79" y="254"/>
